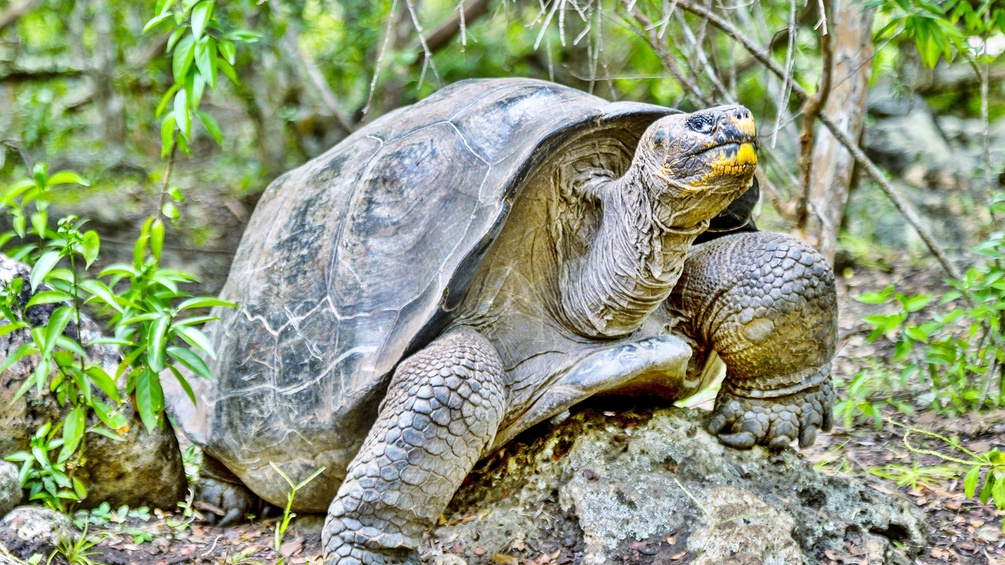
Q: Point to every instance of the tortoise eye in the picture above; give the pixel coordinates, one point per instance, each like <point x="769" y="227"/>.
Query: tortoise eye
<point x="701" y="123"/>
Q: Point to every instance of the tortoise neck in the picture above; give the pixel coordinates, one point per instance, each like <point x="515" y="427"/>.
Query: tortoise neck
<point x="631" y="263"/>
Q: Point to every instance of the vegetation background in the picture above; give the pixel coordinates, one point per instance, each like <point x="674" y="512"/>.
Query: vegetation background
<point x="178" y="113"/>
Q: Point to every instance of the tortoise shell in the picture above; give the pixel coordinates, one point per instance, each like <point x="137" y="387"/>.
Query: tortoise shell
<point x="356" y="259"/>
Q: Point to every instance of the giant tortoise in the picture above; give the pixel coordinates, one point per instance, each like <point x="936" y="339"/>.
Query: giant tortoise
<point x="471" y="265"/>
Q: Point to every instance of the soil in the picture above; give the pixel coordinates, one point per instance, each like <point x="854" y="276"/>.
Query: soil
<point x="962" y="530"/>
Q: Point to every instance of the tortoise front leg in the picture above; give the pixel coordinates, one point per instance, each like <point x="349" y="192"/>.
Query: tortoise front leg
<point x="766" y="303"/>
<point x="438" y="418"/>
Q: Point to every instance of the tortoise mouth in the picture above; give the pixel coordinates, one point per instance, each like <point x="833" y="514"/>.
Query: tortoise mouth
<point x="736" y="158"/>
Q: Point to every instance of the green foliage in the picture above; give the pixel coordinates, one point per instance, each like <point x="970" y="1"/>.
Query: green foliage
<point x="200" y="50"/>
<point x="868" y="395"/>
<point x="76" y="548"/>
<point x="149" y="321"/>
<point x="941" y="29"/>
<point x="913" y="475"/>
<point x="44" y="472"/>
<point x="992" y="489"/>
<point x="283" y="524"/>
<point x="961" y="352"/>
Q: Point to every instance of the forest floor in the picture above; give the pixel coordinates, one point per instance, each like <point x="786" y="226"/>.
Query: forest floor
<point x="962" y="530"/>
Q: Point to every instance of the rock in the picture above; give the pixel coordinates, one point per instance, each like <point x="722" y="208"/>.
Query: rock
<point x="31" y="530"/>
<point x="10" y="487"/>
<point x="650" y="485"/>
<point x="144" y="469"/>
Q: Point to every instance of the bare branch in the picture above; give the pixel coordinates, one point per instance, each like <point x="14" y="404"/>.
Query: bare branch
<point x="443" y="35"/>
<point x="380" y="61"/>
<point x="427" y="60"/>
<point x="874" y="172"/>
<point x="811" y="109"/>
<point x="313" y="74"/>
<point x="19" y="75"/>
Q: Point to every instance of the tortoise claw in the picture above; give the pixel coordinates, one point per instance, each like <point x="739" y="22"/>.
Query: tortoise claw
<point x="742" y="422"/>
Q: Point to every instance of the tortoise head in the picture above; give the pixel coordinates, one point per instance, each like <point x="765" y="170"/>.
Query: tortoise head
<point x="696" y="164"/>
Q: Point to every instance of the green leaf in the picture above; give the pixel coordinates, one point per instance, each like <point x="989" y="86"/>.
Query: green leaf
<point x="998" y="491"/>
<point x="73" y="430"/>
<point x="40" y="172"/>
<point x="67" y="177"/>
<point x="157" y="238"/>
<point x="91" y="244"/>
<point x="48" y="297"/>
<point x="55" y="327"/>
<point x="11" y="327"/>
<point x="200" y="17"/>
<point x="184" y="384"/>
<point x="40" y="223"/>
<point x="27" y="348"/>
<point x="970" y="481"/>
<point x="168" y="96"/>
<point x="228" y="70"/>
<point x="191" y="361"/>
<point x="879" y="297"/>
<point x="209" y="122"/>
<point x="104" y="382"/>
<point x="915" y="303"/>
<point x="157" y="342"/>
<point x="149" y="399"/>
<point x="119" y="269"/>
<point x="98" y="290"/>
<point x="227" y="50"/>
<point x="42" y="267"/>
<point x="205" y="60"/>
<point x="155" y="21"/>
<point x="184" y="54"/>
<point x="169" y="210"/>
<point x="205" y="302"/>
<point x="182" y="114"/>
<point x="985" y="495"/>
<point x="195" y="84"/>
<point x="167" y="134"/>
<point x="196" y="339"/>
<point x="70" y="345"/>
<point x="176" y="34"/>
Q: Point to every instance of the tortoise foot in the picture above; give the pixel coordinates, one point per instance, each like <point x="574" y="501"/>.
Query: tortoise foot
<point x="221" y="496"/>
<point x="346" y="548"/>
<point x="742" y="420"/>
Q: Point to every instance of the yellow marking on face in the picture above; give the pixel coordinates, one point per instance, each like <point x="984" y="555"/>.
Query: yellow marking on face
<point x="746" y="155"/>
<point x="746" y="126"/>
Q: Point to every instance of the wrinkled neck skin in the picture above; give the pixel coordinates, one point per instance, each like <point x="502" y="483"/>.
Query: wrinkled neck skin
<point x="635" y="257"/>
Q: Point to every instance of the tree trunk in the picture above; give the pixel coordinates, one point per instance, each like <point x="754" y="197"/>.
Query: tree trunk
<point x="833" y="164"/>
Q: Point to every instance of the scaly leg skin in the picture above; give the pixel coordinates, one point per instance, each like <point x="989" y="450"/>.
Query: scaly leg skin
<point x="766" y="303"/>
<point x="439" y="416"/>
<point x="218" y="490"/>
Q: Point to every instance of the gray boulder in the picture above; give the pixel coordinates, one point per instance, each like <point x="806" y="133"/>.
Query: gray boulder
<point x="34" y="530"/>
<point x="143" y="469"/>
<point x="651" y="485"/>
<point x="10" y="488"/>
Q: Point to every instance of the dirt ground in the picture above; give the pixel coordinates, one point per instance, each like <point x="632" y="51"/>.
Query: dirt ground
<point x="963" y="531"/>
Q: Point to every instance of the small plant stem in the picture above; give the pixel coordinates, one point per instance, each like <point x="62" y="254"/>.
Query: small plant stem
<point x="167" y="175"/>
<point x="76" y="304"/>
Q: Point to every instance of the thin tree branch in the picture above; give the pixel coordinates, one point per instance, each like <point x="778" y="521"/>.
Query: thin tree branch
<point x="310" y="69"/>
<point x="899" y="202"/>
<point x="811" y="109"/>
<point x="19" y="75"/>
<point x="443" y="35"/>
